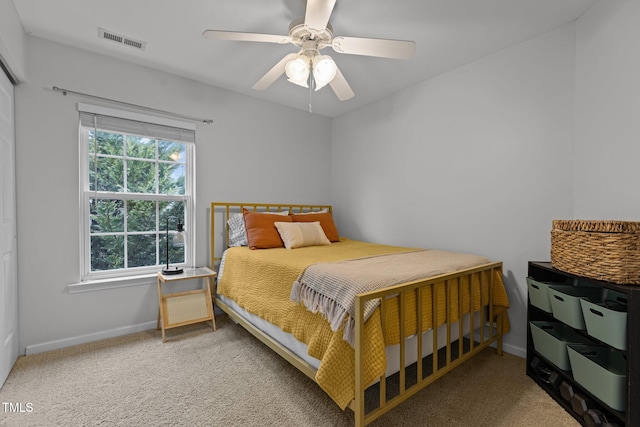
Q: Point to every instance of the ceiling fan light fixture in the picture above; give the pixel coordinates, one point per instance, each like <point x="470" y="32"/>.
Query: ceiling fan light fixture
<point x="298" y="71"/>
<point x="312" y="33"/>
<point x="324" y="70"/>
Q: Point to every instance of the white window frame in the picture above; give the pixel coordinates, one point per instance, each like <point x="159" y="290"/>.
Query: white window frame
<point x="86" y="194"/>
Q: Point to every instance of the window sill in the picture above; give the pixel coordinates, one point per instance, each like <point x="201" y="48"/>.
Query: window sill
<point x="112" y="283"/>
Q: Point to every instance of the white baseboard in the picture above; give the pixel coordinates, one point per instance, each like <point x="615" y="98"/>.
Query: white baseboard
<point x="512" y="349"/>
<point x="83" y="339"/>
<point x="126" y="330"/>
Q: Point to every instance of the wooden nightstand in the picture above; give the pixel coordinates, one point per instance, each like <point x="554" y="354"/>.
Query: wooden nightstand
<point x="184" y="308"/>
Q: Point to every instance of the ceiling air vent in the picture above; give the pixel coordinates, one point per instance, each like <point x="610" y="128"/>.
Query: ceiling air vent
<point x="118" y="38"/>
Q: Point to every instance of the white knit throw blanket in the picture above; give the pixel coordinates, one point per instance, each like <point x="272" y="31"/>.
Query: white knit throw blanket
<point x="330" y="288"/>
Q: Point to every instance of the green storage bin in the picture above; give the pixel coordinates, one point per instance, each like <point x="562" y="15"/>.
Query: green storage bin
<point x="606" y="320"/>
<point x="602" y="371"/>
<point x="551" y="339"/>
<point x="538" y="294"/>
<point x="565" y="303"/>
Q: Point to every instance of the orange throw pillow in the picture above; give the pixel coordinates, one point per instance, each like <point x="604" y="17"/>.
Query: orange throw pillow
<point x="261" y="230"/>
<point x="326" y="222"/>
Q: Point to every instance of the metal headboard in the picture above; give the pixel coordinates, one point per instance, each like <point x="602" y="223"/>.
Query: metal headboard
<point x="221" y="211"/>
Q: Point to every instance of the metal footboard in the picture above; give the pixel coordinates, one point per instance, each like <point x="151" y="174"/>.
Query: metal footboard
<point x="479" y="283"/>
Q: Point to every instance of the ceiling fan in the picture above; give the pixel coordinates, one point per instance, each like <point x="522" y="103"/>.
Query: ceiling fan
<point x="312" y="33"/>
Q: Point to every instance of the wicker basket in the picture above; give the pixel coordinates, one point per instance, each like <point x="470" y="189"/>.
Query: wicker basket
<point x="602" y="250"/>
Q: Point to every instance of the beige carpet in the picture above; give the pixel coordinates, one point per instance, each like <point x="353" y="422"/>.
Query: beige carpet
<point x="228" y="378"/>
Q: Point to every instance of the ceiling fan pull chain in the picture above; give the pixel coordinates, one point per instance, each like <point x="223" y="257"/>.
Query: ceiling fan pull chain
<point x="311" y="83"/>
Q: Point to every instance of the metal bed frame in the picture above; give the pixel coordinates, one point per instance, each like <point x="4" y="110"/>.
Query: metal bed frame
<point x="481" y="336"/>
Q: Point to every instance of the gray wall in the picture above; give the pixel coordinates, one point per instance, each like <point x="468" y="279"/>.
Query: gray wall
<point x="12" y="39"/>
<point x="477" y="160"/>
<point x="607" y="112"/>
<point x="248" y="154"/>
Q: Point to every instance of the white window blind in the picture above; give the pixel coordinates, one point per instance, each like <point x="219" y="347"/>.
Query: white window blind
<point x="137" y="124"/>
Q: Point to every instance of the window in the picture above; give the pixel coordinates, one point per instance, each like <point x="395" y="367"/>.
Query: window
<point x="137" y="179"/>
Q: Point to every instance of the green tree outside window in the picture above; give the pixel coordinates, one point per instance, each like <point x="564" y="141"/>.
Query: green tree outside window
<point x="129" y="232"/>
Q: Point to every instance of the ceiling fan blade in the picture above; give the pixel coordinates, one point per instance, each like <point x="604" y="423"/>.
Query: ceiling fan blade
<point x="384" y="48"/>
<point x="318" y="13"/>
<point x="340" y="87"/>
<point x="273" y="74"/>
<point x="245" y="37"/>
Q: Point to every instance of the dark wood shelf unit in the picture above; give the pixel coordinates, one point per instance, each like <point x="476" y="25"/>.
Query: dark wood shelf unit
<point x="538" y="367"/>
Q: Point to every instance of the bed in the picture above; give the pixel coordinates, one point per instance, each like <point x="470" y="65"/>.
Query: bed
<point x="369" y="345"/>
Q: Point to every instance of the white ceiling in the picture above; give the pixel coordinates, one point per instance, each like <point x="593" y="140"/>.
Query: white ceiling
<point x="448" y="34"/>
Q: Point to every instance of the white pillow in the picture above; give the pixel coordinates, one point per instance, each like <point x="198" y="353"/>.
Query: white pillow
<point x="237" y="230"/>
<point x="301" y="234"/>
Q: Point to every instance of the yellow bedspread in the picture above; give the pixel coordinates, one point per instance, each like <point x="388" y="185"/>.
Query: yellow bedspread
<point x="260" y="281"/>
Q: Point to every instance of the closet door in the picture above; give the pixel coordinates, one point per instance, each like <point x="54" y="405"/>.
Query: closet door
<point x="8" y="250"/>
